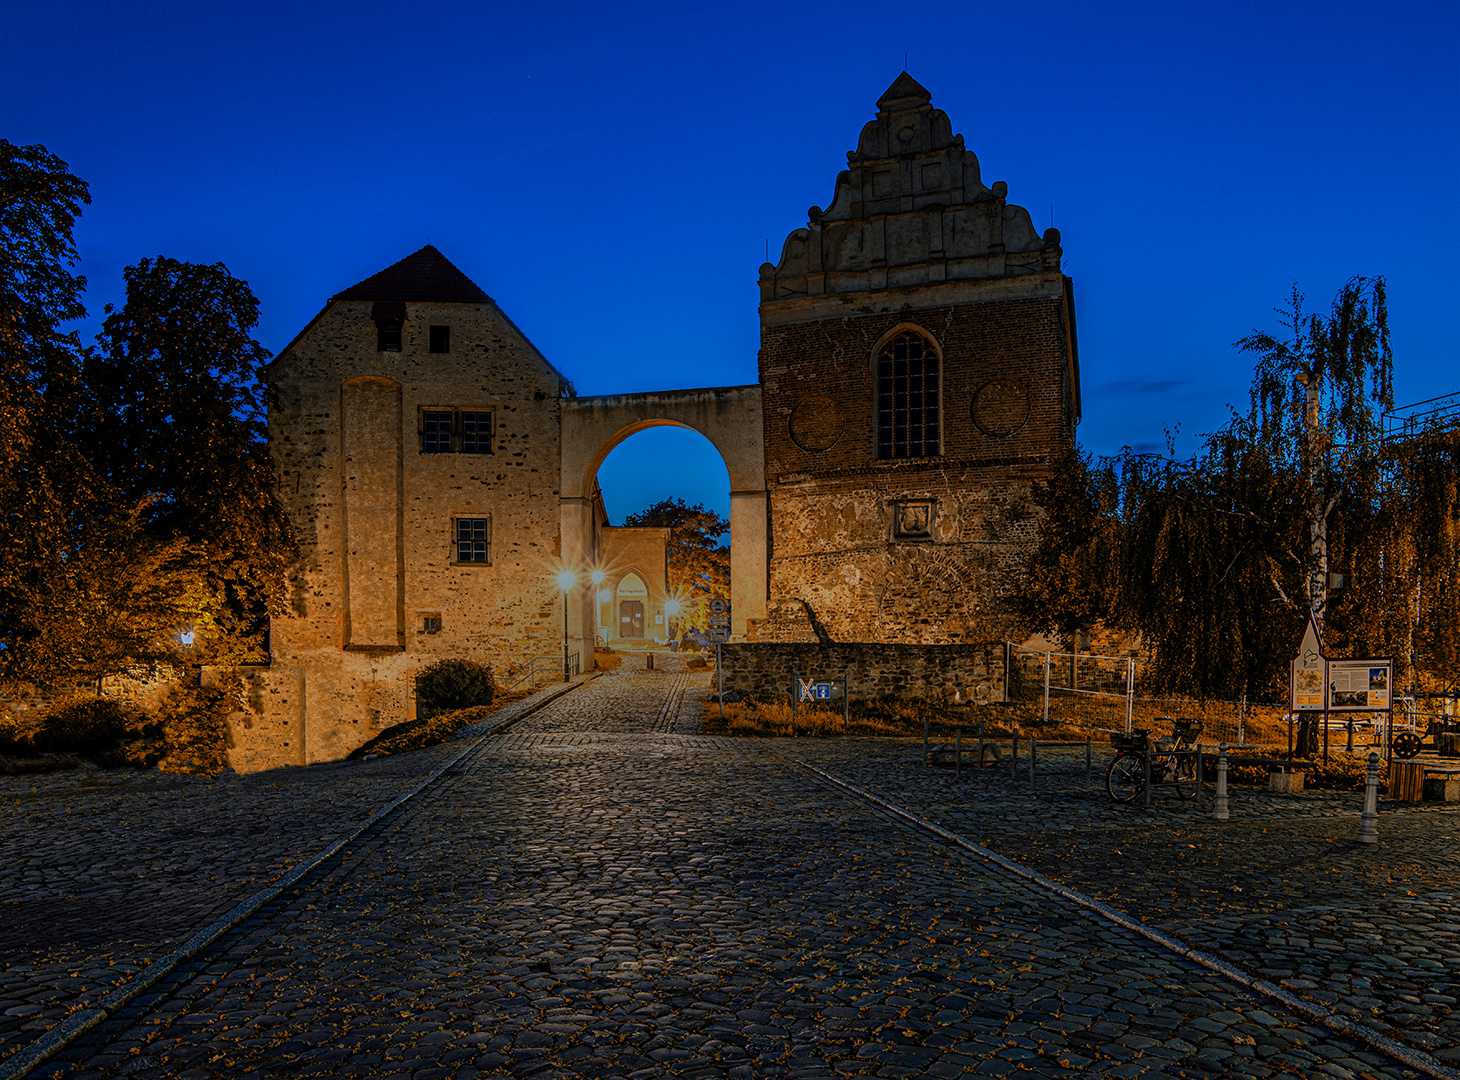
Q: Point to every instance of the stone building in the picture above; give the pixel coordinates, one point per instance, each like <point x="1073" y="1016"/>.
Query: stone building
<point x="918" y="371"/>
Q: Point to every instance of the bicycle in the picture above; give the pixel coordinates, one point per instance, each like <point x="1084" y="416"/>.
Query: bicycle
<point x="1172" y="759"/>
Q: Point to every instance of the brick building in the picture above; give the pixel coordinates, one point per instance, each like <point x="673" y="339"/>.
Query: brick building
<point x="919" y="370"/>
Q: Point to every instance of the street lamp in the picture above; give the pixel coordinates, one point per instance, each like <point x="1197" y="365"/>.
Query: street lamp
<point x="671" y="609"/>
<point x="566" y="580"/>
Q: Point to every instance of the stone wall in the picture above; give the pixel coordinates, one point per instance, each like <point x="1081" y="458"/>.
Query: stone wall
<point x="971" y="672"/>
<point x="379" y="592"/>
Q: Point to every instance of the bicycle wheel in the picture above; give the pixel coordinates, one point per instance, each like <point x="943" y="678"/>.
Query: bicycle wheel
<point x="1183" y="774"/>
<point x="1125" y="777"/>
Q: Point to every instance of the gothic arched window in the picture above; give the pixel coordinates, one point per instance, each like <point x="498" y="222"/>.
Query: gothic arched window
<point x="907" y="397"/>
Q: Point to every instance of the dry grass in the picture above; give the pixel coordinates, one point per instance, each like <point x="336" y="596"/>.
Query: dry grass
<point x="606" y="659"/>
<point x="1071" y="719"/>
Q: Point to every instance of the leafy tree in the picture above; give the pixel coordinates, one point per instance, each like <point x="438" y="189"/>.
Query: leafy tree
<point x="179" y="429"/>
<point x="1217" y="560"/>
<point x="699" y="565"/>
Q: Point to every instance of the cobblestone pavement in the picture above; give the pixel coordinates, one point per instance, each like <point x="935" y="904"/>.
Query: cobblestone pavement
<point x="593" y="895"/>
<point x="103" y="872"/>
<point x="1283" y="888"/>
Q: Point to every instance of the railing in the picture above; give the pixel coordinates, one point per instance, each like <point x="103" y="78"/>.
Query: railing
<point x="1409" y="421"/>
<point x="548" y="665"/>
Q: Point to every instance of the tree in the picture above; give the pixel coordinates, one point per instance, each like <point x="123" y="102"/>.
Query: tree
<point x="1216" y="560"/>
<point x="179" y="429"/>
<point x="699" y="565"/>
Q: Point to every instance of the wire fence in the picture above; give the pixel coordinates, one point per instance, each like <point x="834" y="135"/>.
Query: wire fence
<point x="1082" y="693"/>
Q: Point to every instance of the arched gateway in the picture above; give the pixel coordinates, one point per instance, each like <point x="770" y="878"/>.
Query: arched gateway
<point x="730" y="417"/>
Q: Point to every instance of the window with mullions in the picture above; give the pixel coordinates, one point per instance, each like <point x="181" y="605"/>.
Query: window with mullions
<point x="458" y="431"/>
<point x="907" y="398"/>
<point x="435" y="431"/>
<point x="474" y="540"/>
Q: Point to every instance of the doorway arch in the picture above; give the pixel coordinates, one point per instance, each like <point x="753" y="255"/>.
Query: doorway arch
<point x="731" y="419"/>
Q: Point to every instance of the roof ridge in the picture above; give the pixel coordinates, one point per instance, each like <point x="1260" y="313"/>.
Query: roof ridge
<point x="422" y="276"/>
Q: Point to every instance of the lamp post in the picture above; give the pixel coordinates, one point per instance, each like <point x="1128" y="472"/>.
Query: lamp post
<point x="566" y="580"/>
<point x="671" y="609"/>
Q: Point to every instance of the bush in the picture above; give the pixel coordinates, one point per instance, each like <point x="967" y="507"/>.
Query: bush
<point x="195" y="726"/>
<point x="91" y="727"/>
<point x="453" y="684"/>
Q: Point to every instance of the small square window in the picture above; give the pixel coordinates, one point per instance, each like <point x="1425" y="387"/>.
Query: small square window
<point x="476" y="433"/>
<point x="441" y="339"/>
<point x="435" y="431"/>
<point x="431" y="624"/>
<point x="473" y="540"/>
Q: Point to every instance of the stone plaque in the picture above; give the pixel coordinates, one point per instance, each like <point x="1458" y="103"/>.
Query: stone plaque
<point x="816" y="423"/>
<point x="912" y="519"/>
<point x="1001" y="407"/>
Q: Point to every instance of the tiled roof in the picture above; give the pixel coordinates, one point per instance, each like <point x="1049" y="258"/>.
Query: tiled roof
<point x="425" y="276"/>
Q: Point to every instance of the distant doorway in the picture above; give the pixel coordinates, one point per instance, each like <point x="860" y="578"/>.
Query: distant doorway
<point x="631" y="619"/>
<point x="633" y="596"/>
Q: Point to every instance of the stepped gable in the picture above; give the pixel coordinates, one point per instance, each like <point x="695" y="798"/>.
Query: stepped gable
<point x="422" y="277"/>
<point x="910" y="209"/>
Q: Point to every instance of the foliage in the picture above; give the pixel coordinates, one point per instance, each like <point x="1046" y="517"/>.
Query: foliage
<point x="178" y="429"/>
<point x="699" y="565"/>
<point x="453" y="684"/>
<point x="1216" y="560"/>
<point x="89" y="726"/>
<point x="195" y="726"/>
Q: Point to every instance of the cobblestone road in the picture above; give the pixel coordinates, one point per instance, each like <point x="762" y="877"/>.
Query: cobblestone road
<point x="602" y="892"/>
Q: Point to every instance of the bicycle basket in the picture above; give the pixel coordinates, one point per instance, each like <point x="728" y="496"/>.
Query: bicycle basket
<point x="1187" y="727"/>
<point x="1136" y="740"/>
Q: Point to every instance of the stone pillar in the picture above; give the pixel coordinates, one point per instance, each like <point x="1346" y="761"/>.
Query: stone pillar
<point x="748" y="559"/>
<point x="575" y="531"/>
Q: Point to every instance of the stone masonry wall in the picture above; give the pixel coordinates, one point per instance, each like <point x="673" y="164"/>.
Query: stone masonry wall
<point x="374" y="516"/>
<point x="975" y="672"/>
<point x="1007" y="413"/>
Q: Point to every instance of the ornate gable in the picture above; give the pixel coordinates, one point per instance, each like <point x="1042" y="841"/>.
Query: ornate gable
<point x="910" y="209"/>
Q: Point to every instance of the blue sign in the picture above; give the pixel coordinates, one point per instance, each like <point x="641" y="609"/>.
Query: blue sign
<point x="811" y="690"/>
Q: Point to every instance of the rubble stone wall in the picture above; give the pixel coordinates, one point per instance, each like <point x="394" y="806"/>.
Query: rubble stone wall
<point x="968" y="672"/>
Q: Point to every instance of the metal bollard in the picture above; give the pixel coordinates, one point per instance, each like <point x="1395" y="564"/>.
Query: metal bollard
<point x="980" y="744"/>
<point x="1014" y="757"/>
<point x="1219" y="802"/>
<point x="925" y="740"/>
<point x="649" y="662"/>
<point x="1369" y="819"/>
<point x="1146" y="787"/>
<point x="958" y="753"/>
<point x="1033" y="762"/>
<point x="1087" y="762"/>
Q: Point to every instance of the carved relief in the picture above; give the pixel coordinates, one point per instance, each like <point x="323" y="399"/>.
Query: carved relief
<point x="816" y="423"/>
<point x="912" y="519"/>
<point x="1001" y="407"/>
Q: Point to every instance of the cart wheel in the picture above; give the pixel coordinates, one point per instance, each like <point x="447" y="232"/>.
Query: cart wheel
<point x="1406" y="745"/>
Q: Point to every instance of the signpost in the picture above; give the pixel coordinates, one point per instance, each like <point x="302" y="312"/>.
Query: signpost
<point x="1321" y="685"/>
<point x="719" y="634"/>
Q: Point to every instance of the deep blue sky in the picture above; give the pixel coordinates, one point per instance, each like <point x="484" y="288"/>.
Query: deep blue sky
<point x="611" y="174"/>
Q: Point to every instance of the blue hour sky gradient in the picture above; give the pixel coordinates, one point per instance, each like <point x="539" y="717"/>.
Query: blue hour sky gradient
<point x="612" y="174"/>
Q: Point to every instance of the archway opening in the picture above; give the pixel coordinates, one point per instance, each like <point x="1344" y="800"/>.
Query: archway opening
<point x="662" y="546"/>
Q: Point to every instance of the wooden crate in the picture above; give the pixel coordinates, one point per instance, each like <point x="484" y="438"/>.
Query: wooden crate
<point x="1406" y="781"/>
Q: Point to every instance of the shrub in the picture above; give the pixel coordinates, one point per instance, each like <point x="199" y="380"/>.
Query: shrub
<point x="88" y="726"/>
<point x="195" y="726"/>
<point x="453" y="684"/>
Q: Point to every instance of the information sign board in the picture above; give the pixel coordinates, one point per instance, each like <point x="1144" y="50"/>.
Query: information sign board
<point x="1309" y="682"/>
<point x="719" y="634"/>
<point x="1359" y="685"/>
<point x="719" y="620"/>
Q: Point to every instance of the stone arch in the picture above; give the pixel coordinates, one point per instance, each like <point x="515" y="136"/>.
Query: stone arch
<point x="731" y="419"/>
